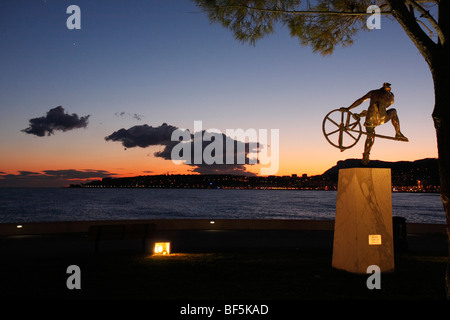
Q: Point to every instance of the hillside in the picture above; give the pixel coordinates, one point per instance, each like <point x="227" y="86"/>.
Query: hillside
<point x="404" y="173"/>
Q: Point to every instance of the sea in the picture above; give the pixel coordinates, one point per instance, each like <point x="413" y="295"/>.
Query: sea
<point x="19" y="205"/>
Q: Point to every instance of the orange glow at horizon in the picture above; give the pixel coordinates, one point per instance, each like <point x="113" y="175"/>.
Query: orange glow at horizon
<point x="126" y="163"/>
<point x="84" y="152"/>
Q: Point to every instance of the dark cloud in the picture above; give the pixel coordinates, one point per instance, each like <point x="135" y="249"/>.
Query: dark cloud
<point x="135" y="116"/>
<point x="51" y="178"/>
<point x="144" y="136"/>
<point x="55" y="119"/>
<point x="77" y="174"/>
<point x="236" y="169"/>
<point x="240" y="156"/>
<point x="28" y="173"/>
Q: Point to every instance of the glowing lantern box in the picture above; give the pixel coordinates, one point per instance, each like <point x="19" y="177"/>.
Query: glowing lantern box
<point x="162" y="248"/>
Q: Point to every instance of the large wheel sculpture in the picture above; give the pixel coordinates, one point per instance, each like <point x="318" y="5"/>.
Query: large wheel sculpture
<point x="341" y="129"/>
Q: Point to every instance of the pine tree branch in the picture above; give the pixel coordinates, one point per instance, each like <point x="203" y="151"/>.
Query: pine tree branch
<point x="430" y="18"/>
<point x="408" y="22"/>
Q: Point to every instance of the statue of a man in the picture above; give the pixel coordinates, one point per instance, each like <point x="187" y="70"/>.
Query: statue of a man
<point x="376" y="114"/>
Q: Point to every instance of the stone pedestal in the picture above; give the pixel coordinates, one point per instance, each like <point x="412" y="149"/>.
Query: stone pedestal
<point x="363" y="224"/>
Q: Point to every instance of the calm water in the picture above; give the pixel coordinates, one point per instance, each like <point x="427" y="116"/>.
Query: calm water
<point x="37" y="205"/>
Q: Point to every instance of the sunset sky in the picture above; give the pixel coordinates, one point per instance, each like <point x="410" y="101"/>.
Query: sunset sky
<point x="136" y="63"/>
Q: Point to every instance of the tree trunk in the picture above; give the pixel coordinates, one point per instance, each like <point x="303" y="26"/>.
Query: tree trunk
<point x="441" y="118"/>
<point x="436" y="55"/>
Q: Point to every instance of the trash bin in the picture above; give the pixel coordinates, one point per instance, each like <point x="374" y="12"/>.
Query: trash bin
<point x="399" y="234"/>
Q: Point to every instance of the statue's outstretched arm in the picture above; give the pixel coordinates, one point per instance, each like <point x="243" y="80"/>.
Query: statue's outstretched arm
<point x="359" y="101"/>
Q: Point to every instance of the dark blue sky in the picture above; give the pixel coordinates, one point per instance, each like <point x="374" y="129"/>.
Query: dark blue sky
<point x="164" y="61"/>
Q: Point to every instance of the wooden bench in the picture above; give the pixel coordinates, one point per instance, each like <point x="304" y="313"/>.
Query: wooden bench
<point x="142" y="231"/>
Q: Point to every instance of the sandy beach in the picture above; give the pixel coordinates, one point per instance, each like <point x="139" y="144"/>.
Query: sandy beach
<point x="225" y="260"/>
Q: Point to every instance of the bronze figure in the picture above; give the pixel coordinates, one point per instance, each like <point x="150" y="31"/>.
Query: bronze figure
<point x="376" y="114"/>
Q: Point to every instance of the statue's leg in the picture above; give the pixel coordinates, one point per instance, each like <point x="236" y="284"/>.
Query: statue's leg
<point x="391" y="114"/>
<point x="368" y="145"/>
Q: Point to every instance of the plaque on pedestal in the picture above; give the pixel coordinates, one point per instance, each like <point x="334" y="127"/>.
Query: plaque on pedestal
<point x="363" y="225"/>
